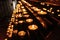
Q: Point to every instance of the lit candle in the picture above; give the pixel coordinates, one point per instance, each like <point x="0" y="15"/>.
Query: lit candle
<point x="21" y="33"/>
<point x="24" y="12"/>
<point x="21" y="21"/>
<point x="16" y="15"/>
<point x="42" y="12"/>
<point x="58" y="10"/>
<point x="16" y="22"/>
<point x="36" y="9"/>
<point x="20" y="15"/>
<point x="32" y="27"/>
<point x="22" y="6"/>
<point x="6" y="39"/>
<point x="59" y="15"/>
<point x="29" y="20"/>
<point x="26" y="15"/>
<point x="18" y="5"/>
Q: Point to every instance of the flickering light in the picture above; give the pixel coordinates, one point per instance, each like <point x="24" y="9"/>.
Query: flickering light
<point x="16" y="19"/>
<point x="26" y="16"/>
<point x="10" y="27"/>
<point x="16" y="22"/>
<point x="20" y="15"/>
<point x="10" y="35"/>
<point x="42" y="3"/>
<point x="42" y="12"/>
<point x="21" y="33"/>
<point x="59" y="15"/>
<point x="23" y="10"/>
<point x="47" y="4"/>
<point x="18" y="5"/>
<point x="19" y="1"/>
<point x="33" y="7"/>
<point x="43" y="24"/>
<point x="22" y="6"/>
<point x="13" y="15"/>
<point x="16" y="15"/>
<point x="15" y="31"/>
<point x="7" y="30"/>
<point x="36" y="9"/>
<point x="12" y="19"/>
<point x="19" y="10"/>
<point x="58" y="10"/>
<point x="32" y="27"/>
<point x="10" y="30"/>
<point x="44" y="9"/>
<point x="5" y="39"/>
<point x="21" y="21"/>
<point x="52" y="12"/>
<point x="51" y="8"/>
<point x="29" y="20"/>
<point x="48" y="10"/>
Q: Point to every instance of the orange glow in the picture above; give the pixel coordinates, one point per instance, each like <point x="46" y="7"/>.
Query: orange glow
<point x="16" y="22"/>
<point x="58" y="10"/>
<point x="20" y="15"/>
<point x="18" y="5"/>
<point x="59" y="15"/>
<point x="42" y="12"/>
<point x="21" y="21"/>
<point x="16" y="19"/>
<point x="24" y="12"/>
<point x="22" y="7"/>
<point x="44" y="9"/>
<point x="52" y="12"/>
<point x="29" y="20"/>
<point x="21" y="33"/>
<point x="15" y="31"/>
<point x="19" y="10"/>
<point x="10" y="35"/>
<point x="12" y="19"/>
<point x="36" y="9"/>
<point x="16" y="15"/>
<point x="26" y="15"/>
<point x="6" y="39"/>
<point x="32" y="27"/>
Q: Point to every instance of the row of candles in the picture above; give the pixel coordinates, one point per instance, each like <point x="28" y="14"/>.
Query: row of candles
<point x="16" y="14"/>
<point x="39" y="11"/>
<point x="45" y="9"/>
<point x="14" y="18"/>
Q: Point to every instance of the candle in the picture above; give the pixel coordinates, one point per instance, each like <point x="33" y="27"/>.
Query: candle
<point x="42" y="12"/>
<point x="29" y="20"/>
<point x="21" y="21"/>
<point x="26" y="15"/>
<point x="20" y="15"/>
<point x="32" y="27"/>
<point x="16" y="22"/>
<point x="21" y="33"/>
<point x="24" y="12"/>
